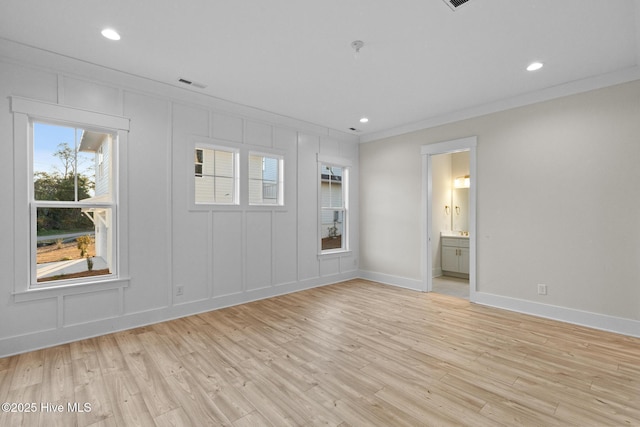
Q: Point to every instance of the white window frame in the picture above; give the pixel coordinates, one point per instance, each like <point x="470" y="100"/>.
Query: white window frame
<point x="210" y="144"/>
<point x="25" y="113"/>
<point x="279" y="183"/>
<point x="100" y="163"/>
<point x="77" y="204"/>
<point x="346" y="170"/>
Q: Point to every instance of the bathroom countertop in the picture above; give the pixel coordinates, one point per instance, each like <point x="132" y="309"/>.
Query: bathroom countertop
<point x="454" y="234"/>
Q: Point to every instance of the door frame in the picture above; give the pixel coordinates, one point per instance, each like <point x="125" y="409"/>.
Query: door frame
<point x="447" y="147"/>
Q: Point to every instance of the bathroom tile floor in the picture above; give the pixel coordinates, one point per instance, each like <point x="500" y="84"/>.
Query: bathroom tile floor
<point x="451" y="286"/>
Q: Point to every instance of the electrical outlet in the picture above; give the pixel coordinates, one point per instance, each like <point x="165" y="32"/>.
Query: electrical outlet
<point x="542" y="289"/>
<point x="179" y="290"/>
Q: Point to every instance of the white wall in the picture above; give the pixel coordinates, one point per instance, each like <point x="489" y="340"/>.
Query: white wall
<point x="459" y="196"/>
<point x="220" y="257"/>
<point x="441" y="196"/>
<point x="558" y="203"/>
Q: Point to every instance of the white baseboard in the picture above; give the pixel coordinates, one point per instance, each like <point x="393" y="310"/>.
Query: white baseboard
<point x="34" y="341"/>
<point x="603" y="322"/>
<point x="387" y="279"/>
<point x="48" y="338"/>
<point x="569" y="315"/>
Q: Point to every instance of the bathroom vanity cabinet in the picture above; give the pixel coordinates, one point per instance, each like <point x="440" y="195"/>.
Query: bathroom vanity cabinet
<point x="455" y="256"/>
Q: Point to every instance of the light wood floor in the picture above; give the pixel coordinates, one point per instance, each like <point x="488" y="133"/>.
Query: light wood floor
<point x="356" y="353"/>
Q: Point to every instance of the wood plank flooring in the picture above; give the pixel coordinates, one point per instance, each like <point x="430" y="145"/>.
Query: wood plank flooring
<point x="353" y="354"/>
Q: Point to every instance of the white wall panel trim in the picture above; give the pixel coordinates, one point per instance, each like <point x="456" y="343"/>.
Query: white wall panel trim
<point x="42" y="339"/>
<point x="20" y="54"/>
<point x="62" y="113"/>
<point x="54" y="292"/>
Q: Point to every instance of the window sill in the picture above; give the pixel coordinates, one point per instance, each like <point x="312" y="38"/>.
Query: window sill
<point x="277" y="208"/>
<point x="206" y="207"/>
<point x="70" y="289"/>
<point x="334" y="254"/>
<point x="238" y="208"/>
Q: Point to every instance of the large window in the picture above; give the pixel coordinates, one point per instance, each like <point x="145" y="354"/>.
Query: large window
<point x="333" y="207"/>
<point x="216" y="175"/>
<point x="265" y="179"/>
<point x="72" y="203"/>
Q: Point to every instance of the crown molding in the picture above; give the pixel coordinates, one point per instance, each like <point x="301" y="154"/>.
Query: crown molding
<point x="554" y="92"/>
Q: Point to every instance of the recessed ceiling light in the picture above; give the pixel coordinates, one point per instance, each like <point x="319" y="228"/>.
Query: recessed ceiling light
<point x="535" y="66"/>
<point x="111" y="34"/>
<point x="364" y="120"/>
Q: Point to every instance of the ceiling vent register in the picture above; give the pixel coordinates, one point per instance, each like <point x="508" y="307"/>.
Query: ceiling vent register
<point x="454" y="4"/>
<point x="192" y="83"/>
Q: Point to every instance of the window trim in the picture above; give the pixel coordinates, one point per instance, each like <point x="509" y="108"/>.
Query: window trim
<point x="346" y="166"/>
<point x="25" y="113"/>
<point x="280" y="158"/>
<point x="213" y="144"/>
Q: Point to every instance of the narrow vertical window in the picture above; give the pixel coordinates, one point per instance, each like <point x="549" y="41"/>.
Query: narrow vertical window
<point x="333" y="207"/>
<point x="265" y="179"/>
<point x="216" y="176"/>
<point x="73" y="203"/>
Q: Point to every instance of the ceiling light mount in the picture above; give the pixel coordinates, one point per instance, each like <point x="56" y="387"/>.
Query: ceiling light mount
<point x="357" y="45"/>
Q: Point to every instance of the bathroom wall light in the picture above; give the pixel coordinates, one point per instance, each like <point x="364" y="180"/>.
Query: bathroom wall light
<point x="462" y="182"/>
<point x="364" y="120"/>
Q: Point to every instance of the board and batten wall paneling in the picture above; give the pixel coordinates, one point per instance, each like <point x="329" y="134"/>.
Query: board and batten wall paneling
<point x="29" y="82"/>
<point x="91" y="96"/>
<point x="227" y="259"/>
<point x="150" y="208"/>
<point x="285" y="247"/>
<point x="89" y="307"/>
<point x="258" y="249"/>
<point x="17" y="320"/>
<point x="308" y="148"/>
<point x="190" y="230"/>
<point x="227" y="127"/>
<point x="216" y="257"/>
<point x="260" y="134"/>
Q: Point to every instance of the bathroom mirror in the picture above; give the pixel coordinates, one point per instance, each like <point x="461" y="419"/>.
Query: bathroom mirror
<point x="460" y="209"/>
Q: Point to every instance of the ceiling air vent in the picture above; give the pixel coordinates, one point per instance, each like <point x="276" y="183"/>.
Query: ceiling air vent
<point x="190" y="83"/>
<point x="454" y="4"/>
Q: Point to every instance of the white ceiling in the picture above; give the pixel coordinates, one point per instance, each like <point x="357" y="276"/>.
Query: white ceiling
<point x="293" y="57"/>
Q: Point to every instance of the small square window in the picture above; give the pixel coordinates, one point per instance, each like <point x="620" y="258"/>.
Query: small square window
<point x="265" y="179"/>
<point x="216" y="176"/>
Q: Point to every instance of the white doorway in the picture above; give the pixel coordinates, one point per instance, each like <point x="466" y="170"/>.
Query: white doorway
<point x="428" y="236"/>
